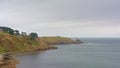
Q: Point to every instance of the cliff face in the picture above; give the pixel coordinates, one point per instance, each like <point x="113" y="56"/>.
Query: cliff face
<point x="12" y="43"/>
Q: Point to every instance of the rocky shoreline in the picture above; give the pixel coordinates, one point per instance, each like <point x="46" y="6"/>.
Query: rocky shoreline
<point x="8" y="61"/>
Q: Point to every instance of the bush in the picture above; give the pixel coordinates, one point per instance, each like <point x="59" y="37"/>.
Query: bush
<point x="33" y="36"/>
<point x="8" y="30"/>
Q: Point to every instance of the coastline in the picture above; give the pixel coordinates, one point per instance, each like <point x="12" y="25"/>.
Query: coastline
<point x="12" y="62"/>
<point x="17" y="53"/>
<point x="27" y="52"/>
<point x="20" y="45"/>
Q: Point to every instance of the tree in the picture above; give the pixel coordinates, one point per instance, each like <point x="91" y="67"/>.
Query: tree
<point x="33" y="35"/>
<point x="16" y="32"/>
<point x="24" y="33"/>
<point x="8" y="30"/>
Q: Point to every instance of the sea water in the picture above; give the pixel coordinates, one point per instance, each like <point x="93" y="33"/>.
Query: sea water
<point x="93" y="53"/>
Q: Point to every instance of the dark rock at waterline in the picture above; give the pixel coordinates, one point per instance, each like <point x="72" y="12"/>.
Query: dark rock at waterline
<point x="5" y="56"/>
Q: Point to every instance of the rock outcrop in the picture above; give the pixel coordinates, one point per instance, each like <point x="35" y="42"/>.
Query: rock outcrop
<point x="7" y="61"/>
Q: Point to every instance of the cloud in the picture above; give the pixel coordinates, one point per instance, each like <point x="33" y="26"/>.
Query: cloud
<point x="64" y="17"/>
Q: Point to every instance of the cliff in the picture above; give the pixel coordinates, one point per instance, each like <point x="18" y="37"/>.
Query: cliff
<point x="13" y="43"/>
<point x="19" y="43"/>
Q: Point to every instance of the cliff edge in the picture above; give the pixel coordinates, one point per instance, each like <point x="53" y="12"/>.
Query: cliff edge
<point x="13" y="43"/>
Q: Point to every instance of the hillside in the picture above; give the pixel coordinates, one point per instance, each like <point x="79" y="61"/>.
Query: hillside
<point x="12" y="43"/>
<point x="58" y="40"/>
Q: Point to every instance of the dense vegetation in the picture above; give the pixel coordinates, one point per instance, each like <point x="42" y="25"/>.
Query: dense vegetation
<point x="7" y="30"/>
<point x="11" y="31"/>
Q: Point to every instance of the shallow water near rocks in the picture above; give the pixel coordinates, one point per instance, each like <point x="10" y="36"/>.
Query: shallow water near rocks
<point x="94" y="53"/>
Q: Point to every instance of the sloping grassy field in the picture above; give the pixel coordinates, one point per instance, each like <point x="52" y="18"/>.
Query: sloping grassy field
<point x="58" y="40"/>
<point x="12" y="43"/>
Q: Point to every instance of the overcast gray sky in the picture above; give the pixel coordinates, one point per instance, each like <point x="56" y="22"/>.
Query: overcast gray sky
<point x="84" y="18"/>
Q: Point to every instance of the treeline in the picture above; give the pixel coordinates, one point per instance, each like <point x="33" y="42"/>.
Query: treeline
<point x="11" y="31"/>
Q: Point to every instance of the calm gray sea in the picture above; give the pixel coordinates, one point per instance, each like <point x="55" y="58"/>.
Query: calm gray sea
<point x="94" y="53"/>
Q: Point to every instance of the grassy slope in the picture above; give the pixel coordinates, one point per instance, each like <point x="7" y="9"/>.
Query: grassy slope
<point x="11" y="43"/>
<point x="58" y="40"/>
